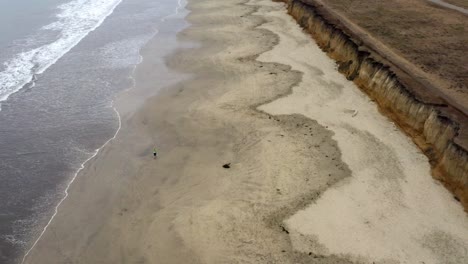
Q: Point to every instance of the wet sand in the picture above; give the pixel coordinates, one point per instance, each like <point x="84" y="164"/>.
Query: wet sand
<point x="312" y="162"/>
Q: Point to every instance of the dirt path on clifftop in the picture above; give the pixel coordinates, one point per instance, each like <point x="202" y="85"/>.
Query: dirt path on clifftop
<point x="456" y="6"/>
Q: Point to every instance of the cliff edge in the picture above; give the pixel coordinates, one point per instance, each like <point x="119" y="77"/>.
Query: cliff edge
<point x="435" y="119"/>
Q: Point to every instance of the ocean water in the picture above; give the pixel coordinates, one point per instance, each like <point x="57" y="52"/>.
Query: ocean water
<point x="62" y="62"/>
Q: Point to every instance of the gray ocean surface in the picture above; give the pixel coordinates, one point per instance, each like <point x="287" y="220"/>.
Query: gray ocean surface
<point x="62" y="62"/>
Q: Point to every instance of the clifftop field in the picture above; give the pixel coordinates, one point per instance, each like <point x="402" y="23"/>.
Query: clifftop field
<point x="433" y="38"/>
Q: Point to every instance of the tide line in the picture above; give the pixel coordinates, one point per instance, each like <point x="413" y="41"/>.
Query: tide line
<point x="97" y="150"/>
<point x="82" y="166"/>
<point x="178" y="7"/>
<point x="71" y="182"/>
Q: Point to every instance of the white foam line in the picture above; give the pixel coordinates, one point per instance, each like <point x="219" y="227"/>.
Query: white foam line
<point x="97" y="150"/>
<point x="179" y="6"/>
<point x="72" y="180"/>
<point x="86" y="161"/>
<point x="42" y="68"/>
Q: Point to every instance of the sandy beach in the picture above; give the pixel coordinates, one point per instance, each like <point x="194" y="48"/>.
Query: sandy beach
<point x="317" y="174"/>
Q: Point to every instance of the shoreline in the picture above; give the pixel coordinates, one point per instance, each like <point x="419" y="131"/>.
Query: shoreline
<point x="83" y="165"/>
<point x="117" y="97"/>
<point x="30" y="80"/>
<point x="185" y="207"/>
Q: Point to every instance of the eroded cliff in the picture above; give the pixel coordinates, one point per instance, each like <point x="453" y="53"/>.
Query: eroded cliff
<point x="437" y="125"/>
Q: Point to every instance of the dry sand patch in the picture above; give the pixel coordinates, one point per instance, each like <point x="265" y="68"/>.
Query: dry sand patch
<point x="391" y="209"/>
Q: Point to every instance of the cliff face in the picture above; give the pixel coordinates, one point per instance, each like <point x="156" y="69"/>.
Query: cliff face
<point x="438" y="127"/>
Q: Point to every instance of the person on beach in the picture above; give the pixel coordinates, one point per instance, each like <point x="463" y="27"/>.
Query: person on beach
<point x="155" y="153"/>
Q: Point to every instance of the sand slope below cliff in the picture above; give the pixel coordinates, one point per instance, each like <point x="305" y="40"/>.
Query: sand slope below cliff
<point x="390" y="209"/>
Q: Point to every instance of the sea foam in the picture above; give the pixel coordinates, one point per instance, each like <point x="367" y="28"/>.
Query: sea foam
<point x="73" y="22"/>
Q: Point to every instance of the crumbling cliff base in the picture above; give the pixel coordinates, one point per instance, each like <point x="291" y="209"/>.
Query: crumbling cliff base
<point x="436" y="124"/>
